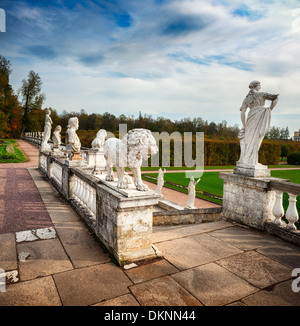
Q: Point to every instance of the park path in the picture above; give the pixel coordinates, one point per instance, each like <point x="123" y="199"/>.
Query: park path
<point x="21" y="206"/>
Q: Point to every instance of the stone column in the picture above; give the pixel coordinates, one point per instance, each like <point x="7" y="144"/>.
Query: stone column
<point x="247" y="200"/>
<point x="124" y="223"/>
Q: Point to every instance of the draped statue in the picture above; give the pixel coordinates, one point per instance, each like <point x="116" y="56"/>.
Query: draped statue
<point x="255" y="126"/>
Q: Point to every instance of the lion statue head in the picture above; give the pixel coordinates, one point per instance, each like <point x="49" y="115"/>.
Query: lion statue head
<point x="140" y="145"/>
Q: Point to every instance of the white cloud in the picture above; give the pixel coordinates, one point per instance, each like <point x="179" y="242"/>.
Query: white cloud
<point x="181" y="58"/>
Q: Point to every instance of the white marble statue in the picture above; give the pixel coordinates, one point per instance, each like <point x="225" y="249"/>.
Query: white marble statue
<point x="256" y="125"/>
<point x="97" y="143"/>
<point x="160" y="181"/>
<point x="192" y="193"/>
<point x="136" y="145"/>
<point x="47" y="132"/>
<point x="73" y="143"/>
<point x="56" y="137"/>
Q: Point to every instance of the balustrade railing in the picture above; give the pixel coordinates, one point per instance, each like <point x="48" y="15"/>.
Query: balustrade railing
<point x="84" y="196"/>
<point x="291" y="215"/>
<point x="57" y="173"/>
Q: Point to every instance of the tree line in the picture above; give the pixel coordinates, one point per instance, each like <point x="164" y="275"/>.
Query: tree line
<point x="22" y="111"/>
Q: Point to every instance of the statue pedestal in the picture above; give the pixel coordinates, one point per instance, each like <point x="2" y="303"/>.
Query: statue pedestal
<point x="124" y="221"/>
<point x="76" y="157"/>
<point x="255" y="171"/>
<point x="96" y="160"/>
<point x="247" y="200"/>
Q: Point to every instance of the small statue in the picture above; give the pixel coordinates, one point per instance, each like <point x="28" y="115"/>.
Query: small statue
<point x="192" y="193"/>
<point x="97" y="143"/>
<point x="73" y="143"/>
<point x="47" y="132"/>
<point x="160" y="182"/>
<point x="56" y="137"/>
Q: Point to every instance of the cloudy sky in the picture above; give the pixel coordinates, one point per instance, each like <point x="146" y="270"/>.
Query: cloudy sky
<point x="171" y="58"/>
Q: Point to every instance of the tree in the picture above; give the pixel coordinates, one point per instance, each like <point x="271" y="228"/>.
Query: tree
<point x="9" y="104"/>
<point x="32" y="98"/>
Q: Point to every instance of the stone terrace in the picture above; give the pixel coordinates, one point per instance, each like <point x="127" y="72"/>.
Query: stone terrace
<point x="210" y="264"/>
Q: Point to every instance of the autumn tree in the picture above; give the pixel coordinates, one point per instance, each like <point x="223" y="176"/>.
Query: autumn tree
<point x="31" y="97"/>
<point x="9" y="105"/>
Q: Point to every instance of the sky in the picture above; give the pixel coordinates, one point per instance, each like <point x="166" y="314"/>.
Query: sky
<point x="170" y="58"/>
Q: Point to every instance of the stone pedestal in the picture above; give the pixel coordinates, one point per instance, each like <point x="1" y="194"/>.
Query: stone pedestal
<point x="96" y="160"/>
<point x="247" y="200"/>
<point x="256" y="171"/>
<point x="124" y="222"/>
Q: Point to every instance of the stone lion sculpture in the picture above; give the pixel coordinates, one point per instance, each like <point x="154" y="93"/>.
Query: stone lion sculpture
<point x="136" y="145"/>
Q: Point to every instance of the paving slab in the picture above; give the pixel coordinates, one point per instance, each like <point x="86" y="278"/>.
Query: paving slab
<point x="45" y="257"/>
<point x="38" y="292"/>
<point x="245" y="238"/>
<point x="165" y="233"/>
<point x="213" y="285"/>
<point x="257" y="269"/>
<point x="124" y="300"/>
<point x="278" y="295"/>
<point x="91" y="285"/>
<point x="80" y="245"/>
<point x="149" y="271"/>
<point x="8" y="256"/>
<point x="163" y="291"/>
<point x="195" y="250"/>
<point x="284" y="253"/>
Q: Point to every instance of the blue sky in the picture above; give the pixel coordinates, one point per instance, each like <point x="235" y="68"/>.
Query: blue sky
<point x="171" y="58"/>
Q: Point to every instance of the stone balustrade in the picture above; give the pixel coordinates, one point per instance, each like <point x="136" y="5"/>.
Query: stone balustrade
<point x="283" y="224"/>
<point x="120" y="218"/>
<point x="258" y="203"/>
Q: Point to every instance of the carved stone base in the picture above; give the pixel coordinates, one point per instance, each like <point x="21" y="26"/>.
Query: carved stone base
<point x="255" y="171"/>
<point x="247" y="200"/>
<point x="76" y="157"/>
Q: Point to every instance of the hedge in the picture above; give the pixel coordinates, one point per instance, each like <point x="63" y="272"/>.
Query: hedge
<point x="294" y="158"/>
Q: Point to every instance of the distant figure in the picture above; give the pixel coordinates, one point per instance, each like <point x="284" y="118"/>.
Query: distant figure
<point x="160" y="182"/>
<point x="257" y="124"/>
<point x="97" y="143"/>
<point x="192" y="193"/>
<point x="56" y="137"/>
<point x="47" y="131"/>
<point x="73" y="143"/>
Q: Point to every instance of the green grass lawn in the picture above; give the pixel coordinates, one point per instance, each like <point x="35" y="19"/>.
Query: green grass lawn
<point x="210" y="186"/>
<point x="214" y="167"/>
<point x="10" y="152"/>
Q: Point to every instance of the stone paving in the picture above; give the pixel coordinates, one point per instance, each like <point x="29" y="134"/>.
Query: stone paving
<point x="210" y="264"/>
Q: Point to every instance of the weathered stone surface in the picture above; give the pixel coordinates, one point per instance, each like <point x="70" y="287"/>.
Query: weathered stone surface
<point x="149" y="271"/>
<point x="8" y="257"/>
<point x="91" y="285"/>
<point x="256" y="269"/>
<point x="247" y="200"/>
<point x="280" y="295"/>
<point x="165" y="233"/>
<point x="284" y="253"/>
<point x="39" y="292"/>
<point x="45" y="257"/>
<point x="163" y="291"/>
<point x="124" y="300"/>
<point x="244" y="238"/>
<point x="202" y="249"/>
<point x="80" y="246"/>
<point x="226" y="286"/>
